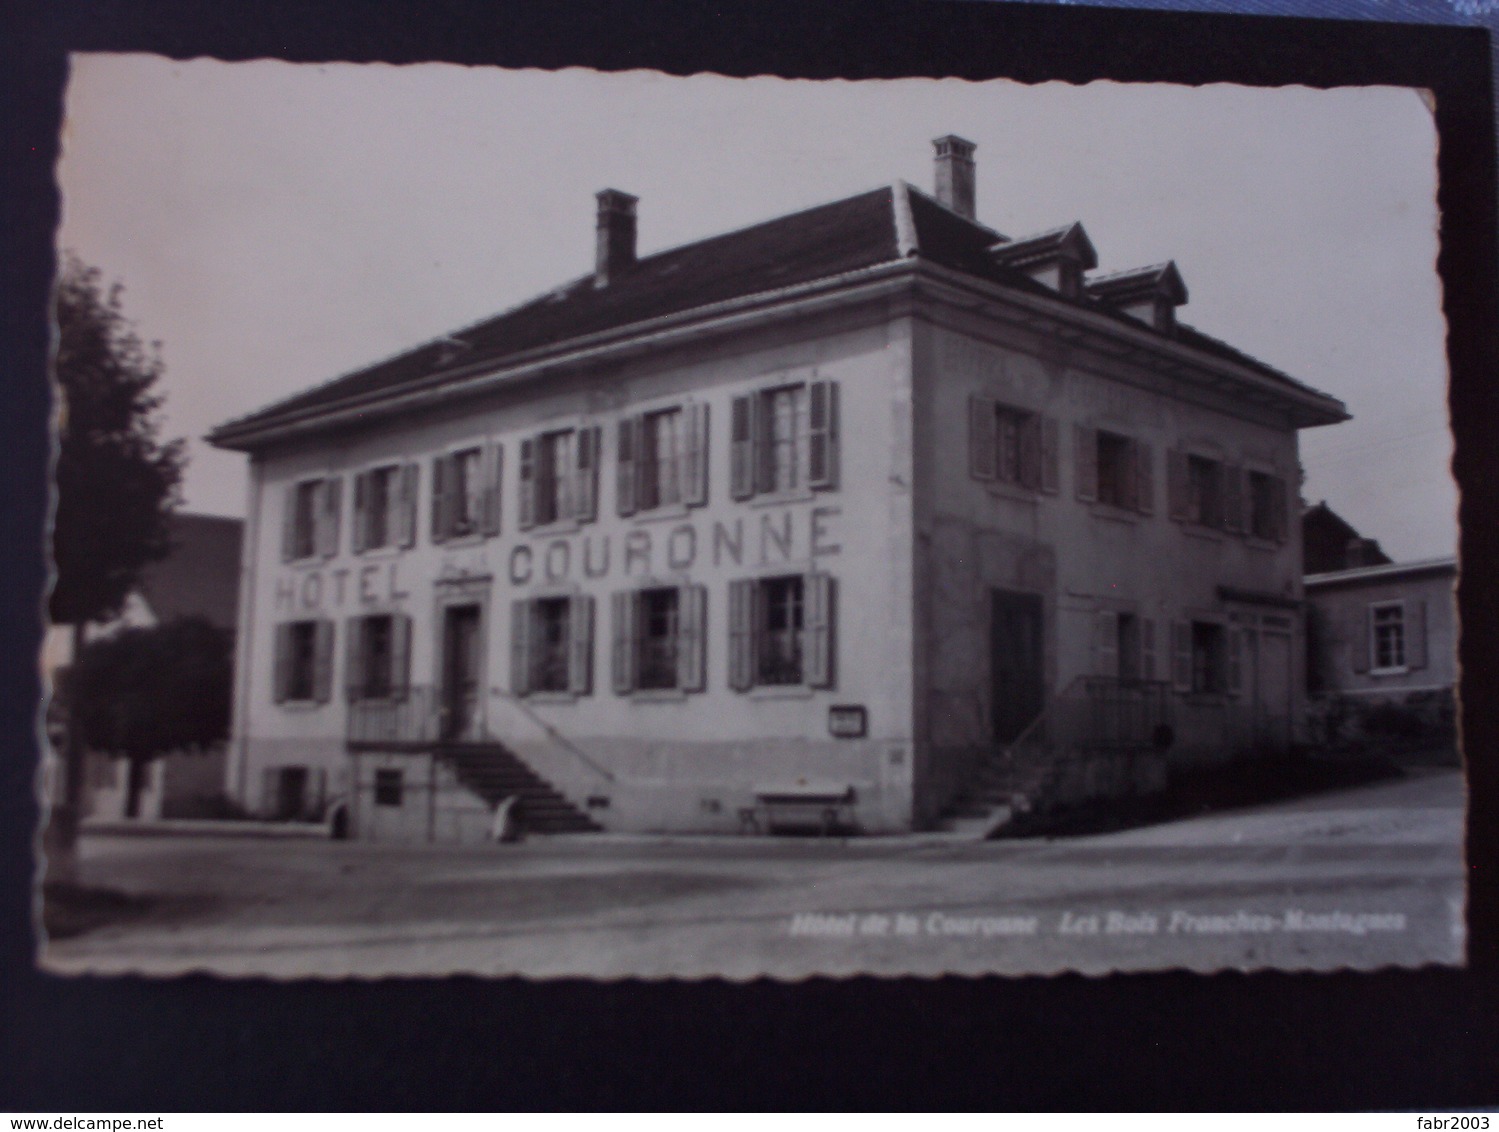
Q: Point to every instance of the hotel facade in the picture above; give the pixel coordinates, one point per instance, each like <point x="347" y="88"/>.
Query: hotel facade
<point x="868" y="506"/>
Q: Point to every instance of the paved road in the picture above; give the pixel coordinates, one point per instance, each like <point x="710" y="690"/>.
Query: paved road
<point x="1362" y="878"/>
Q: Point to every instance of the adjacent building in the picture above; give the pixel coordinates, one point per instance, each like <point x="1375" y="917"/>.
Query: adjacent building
<point x="869" y="504"/>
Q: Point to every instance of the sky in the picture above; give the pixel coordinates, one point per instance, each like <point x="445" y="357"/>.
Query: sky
<point x="276" y="225"/>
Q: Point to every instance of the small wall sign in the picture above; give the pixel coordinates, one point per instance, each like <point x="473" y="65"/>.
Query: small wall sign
<point x="848" y="721"/>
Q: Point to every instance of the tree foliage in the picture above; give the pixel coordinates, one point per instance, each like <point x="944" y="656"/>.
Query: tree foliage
<point x="142" y="693"/>
<point x="116" y="481"/>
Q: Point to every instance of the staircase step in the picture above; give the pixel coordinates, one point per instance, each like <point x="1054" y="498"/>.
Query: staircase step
<point x="494" y="772"/>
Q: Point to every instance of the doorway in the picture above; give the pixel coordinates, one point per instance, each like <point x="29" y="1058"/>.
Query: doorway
<point x="1015" y="650"/>
<point x="1272" y="680"/>
<point x="461" y="664"/>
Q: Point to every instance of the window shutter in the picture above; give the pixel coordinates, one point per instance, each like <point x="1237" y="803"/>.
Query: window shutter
<point x="361" y="532"/>
<point x="1181" y="655"/>
<point x="353" y="661"/>
<point x="580" y="645"/>
<point x="586" y="496"/>
<point x="817" y="615"/>
<point x="442" y="475"/>
<point x="322" y="666"/>
<point x="289" y="523"/>
<point x="1030" y="452"/>
<point x="625" y="464"/>
<point x="742" y="447"/>
<point x="520" y="646"/>
<point x="1147" y="649"/>
<point x="400" y="656"/>
<point x="983" y="438"/>
<point x="1233" y="497"/>
<point x="623" y="617"/>
<point x="1144" y="477"/>
<point x="822" y="434"/>
<point x="1085" y="452"/>
<point x="1360" y="640"/>
<point x="527" y="518"/>
<point x="406" y="511"/>
<point x="494" y="482"/>
<point x="742" y="634"/>
<point x="281" y="674"/>
<point x="1050" y="456"/>
<point x="692" y="638"/>
<point x="1106" y="643"/>
<point x="327" y="524"/>
<point x="1178" y="496"/>
<point x="1415" y="634"/>
<point x="1234" y="642"/>
<point x="695" y="475"/>
<point x="1279" y="503"/>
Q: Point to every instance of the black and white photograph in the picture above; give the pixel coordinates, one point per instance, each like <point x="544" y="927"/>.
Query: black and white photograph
<point x="609" y="525"/>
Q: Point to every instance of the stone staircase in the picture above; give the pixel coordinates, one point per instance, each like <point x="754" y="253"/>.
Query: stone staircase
<point x="493" y="772"/>
<point x="999" y="791"/>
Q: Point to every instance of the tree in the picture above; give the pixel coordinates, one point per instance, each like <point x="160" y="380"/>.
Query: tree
<point x="117" y="483"/>
<point x="142" y="693"/>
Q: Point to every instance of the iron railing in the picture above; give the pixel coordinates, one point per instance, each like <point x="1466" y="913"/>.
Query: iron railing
<point x="412" y="719"/>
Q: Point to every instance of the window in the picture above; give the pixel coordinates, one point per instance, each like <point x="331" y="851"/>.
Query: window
<point x="1267" y="507"/>
<point x="1123" y="646"/>
<point x="785" y="439"/>
<point x="1206" y="657"/>
<point x="304" y="661"/>
<point x="559" y="477"/>
<point x="1387" y="635"/>
<point x="658" y="639"/>
<point x="781" y="632"/>
<point x="663" y="459"/>
<point x="466" y="492"/>
<point x="389" y="786"/>
<point x="1115" y="470"/>
<point x="1009" y="445"/>
<point x="1204" y="491"/>
<point x="310" y="515"/>
<point x="378" y="656"/>
<point x="551" y="645"/>
<point x="385" y="507"/>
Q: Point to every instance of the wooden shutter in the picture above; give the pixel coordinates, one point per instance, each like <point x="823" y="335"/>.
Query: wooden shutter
<point x="1234" y="667"/>
<point x="822" y="434"/>
<point x="406" y="509"/>
<point x="1050" y="456"/>
<point x="626" y="463"/>
<point x="1144" y="477"/>
<point x="494" y="482"/>
<point x="623" y="617"/>
<point x="580" y="645"/>
<point x="1232" y="478"/>
<point x="1181" y="655"/>
<point x="520" y="646"/>
<point x="1147" y="649"/>
<point x="328" y="514"/>
<point x="692" y="638"/>
<point x="1279" y="508"/>
<point x="586" y="495"/>
<point x="1085" y="453"/>
<point x="983" y="438"/>
<point x="354" y="673"/>
<point x="281" y="673"/>
<point x="1178" y="491"/>
<point x="289" y="523"/>
<point x="361" y="532"/>
<point x="742" y="634"/>
<point x="1030" y="452"/>
<point x="322" y="662"/>
<point x="695" y="474"/>
<point x="400" y="656"/>
<point x="528" y="479"/>
<point x="1416" y="651"/>
<point x="442" y="491"/>
<point x="1360" y="637"/>
<point x="742" y="447"/>
<point x="1106" y="643"/>
<point x="817" y="621"/>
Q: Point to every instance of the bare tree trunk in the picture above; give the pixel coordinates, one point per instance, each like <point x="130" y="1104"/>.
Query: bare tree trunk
<point x="135" y="782"/>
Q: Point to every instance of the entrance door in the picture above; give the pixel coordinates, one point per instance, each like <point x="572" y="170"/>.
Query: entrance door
<point x="1015" y="652"/>
<point x="460" y="672"/>
<point x="1272" y="691"/>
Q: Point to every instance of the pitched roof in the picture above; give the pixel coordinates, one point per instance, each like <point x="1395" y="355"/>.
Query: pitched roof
<point x="874" y="228"/>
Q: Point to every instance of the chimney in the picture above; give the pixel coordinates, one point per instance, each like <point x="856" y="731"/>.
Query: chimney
<point x="955" y="176"/>
<point x="616" y="236"/>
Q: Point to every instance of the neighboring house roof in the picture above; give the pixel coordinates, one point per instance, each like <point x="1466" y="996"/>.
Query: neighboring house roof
<point x="1326" y="538"/>
<point x="1383" y="572"/>
<point x="884" y="227"/>
<point x="200" y="577"/>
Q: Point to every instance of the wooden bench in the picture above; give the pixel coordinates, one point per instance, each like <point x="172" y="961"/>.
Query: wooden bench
<point x="824" y="807"/>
